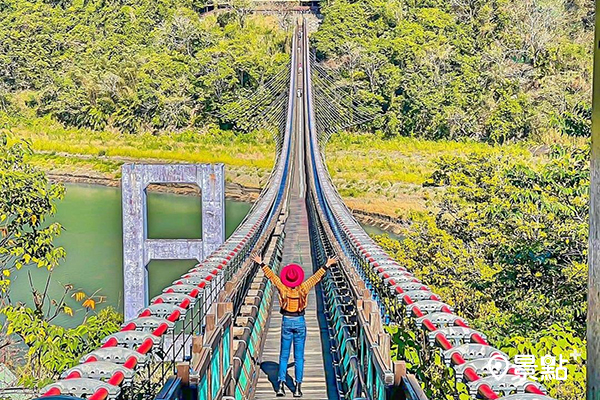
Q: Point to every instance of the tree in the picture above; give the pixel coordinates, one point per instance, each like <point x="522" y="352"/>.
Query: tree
<point x="26" y="241"/>
<point x="372" y="63"/>
<point x="182" y="33"/>
<point x="26" y="200"/>
<point x="530" y="224"/>
<point x="538" y="22"/>
<point x="53" y="348"/>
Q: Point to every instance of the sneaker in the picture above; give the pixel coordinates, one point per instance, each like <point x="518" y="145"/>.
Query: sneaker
<point x="298" y="390"/>
<point x="280" y="391"/>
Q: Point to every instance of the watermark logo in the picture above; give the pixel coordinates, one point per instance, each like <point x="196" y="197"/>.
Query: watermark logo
<point x="498" y="366"/>
<point x="546" y="368"/>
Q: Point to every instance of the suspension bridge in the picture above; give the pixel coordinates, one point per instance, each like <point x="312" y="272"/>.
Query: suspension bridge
<point x="213" y="334"/>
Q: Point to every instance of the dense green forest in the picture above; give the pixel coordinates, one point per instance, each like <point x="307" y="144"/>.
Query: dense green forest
<point x="488" y="70"/>
<point x="506" y="245"/>
<point x="491" y="71"/>
<point x="131" y="66"/>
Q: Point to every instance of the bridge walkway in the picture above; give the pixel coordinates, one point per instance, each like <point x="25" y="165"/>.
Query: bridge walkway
<point x="297" y="249"/>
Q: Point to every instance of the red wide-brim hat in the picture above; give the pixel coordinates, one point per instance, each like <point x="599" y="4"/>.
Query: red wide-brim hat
<point x="292" y="275"/>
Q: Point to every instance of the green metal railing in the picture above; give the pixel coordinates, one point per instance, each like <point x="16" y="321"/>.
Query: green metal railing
<point x="214" y="361"/>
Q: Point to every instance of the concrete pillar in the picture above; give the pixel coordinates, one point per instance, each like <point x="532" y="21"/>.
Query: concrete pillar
<point x="138" y="250"/>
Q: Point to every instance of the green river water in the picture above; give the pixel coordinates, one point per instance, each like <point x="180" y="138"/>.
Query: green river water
<point x="91" y="216"/>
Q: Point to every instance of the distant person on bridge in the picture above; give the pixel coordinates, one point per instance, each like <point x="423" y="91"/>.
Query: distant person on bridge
<point x="293" y="298"/>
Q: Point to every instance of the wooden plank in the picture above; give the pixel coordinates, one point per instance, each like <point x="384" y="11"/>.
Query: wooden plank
<point x="183" y="373"/>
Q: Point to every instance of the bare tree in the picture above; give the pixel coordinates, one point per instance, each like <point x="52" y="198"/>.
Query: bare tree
<point x="371" y="63"/>
<point x="242" y="9"/>
<point x="182" y="33"/>
<point x="351" y="60"/>
<point x="537" y="22"/>
<point x="466" y="10"/>
<point x="284" y="14"/>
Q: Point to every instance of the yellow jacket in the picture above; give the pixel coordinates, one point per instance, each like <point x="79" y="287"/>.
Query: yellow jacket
<point x="293" y="300"/>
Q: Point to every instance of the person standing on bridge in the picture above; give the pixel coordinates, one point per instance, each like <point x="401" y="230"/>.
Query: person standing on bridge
<point x="293" y="298"/>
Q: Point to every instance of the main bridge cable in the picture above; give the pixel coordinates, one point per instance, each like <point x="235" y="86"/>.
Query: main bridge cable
<point x="288" y="127"/>
<point x="321" y="251"/>
<point x="372" y="260"/>
<point x="320" y="69"/>
<point x="342" y="338"/>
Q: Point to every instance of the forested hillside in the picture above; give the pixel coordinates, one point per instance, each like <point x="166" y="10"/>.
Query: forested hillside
<point x="131" y="66"/>
<point x="486" y="70"/>
<point x="495" y="70"/>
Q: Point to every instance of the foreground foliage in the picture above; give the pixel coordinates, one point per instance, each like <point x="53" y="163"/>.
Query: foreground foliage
<point x="506" y="246"/>
<point x="52" y="348"/>
<point x="26" y="241"/>
<point x="26" y="200"/>
<point x="439" y="381"/>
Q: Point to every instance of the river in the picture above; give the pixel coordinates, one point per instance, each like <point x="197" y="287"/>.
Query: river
<point x="92" y="238"/>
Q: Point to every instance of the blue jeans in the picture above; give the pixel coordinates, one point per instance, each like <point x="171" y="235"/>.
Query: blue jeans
<point x="293" y="329"/>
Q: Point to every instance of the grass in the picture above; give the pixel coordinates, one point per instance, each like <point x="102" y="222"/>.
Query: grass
<point x="68" y="164"/>
<point x="372" y="173"/>
<point x="208" y="146"/>
<point x="385" y="176"/>
<point x="249" y="158"/>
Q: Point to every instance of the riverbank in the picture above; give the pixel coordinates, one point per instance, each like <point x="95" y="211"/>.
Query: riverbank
<point x="380" y="179"/>
<point x="233" y="191"/>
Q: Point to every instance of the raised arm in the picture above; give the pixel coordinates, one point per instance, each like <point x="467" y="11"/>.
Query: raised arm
<point x="272" y="276"/>
<point x="317" y="276"/>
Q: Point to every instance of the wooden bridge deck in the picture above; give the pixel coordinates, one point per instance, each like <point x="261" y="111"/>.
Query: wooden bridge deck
<point x="296" y="249"/>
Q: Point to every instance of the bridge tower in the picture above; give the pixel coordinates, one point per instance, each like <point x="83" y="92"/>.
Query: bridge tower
<point x="139" y="250"/>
